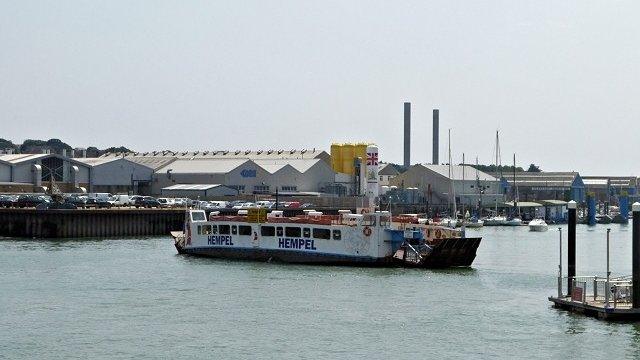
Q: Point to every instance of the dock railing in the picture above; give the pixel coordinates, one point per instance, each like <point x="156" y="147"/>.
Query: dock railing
<point x="596" y="289"/>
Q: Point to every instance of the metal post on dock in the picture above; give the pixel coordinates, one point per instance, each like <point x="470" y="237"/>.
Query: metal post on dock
<point x="635" y="252"/>
<point x="560" y="267"/>
<point x="571" y="245"/>
<point x="607" y="288"/>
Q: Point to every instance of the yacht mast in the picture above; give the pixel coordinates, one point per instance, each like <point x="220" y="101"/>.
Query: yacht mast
<point x="451" y="183"/>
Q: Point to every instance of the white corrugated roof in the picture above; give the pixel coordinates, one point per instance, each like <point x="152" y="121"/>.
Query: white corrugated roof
<point x="457" y="172"/>
<point x="191" y="187"/>
<point x="230" y="154"/>
<point x="96" y="161"/>
<point x="18" y="158"/>
<point x="203" y="166"/>
<point x="302" y="165"/>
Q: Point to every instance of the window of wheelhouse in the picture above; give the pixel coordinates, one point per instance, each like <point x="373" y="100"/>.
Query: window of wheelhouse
<point x="292" y="231"/>
<point x="322" y="234"/>
<point x="268" y="231"/>
<point x="224" y="229"/>
<point x="234" y="230"/>
<point x="279" y="231"/>
<point x="214" y="229"/>
<point x="369" y="220"/>
<point x="337" y="235"/>
<point x="244" y="230"/>
<point x="205" y="230"/>
<point x="306" y="232"/>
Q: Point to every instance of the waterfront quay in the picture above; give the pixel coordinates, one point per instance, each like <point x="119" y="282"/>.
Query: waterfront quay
<point x="78" y="223"/>
<point x="32" y="223"/>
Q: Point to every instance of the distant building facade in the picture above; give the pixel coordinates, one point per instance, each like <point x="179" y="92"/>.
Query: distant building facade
<point x="438" y="184"/>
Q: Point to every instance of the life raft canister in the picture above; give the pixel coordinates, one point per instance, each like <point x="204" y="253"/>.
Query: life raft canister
<point x="366" y="231"/>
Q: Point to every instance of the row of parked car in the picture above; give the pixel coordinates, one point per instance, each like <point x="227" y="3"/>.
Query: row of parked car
<point x="104" y="201"/>
<point x="239" y="204"/>
<point x="82" y="201"/>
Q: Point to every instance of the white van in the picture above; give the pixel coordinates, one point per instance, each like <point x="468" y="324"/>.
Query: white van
<point x="121" y="200"/>
<point x="101" y="196"/>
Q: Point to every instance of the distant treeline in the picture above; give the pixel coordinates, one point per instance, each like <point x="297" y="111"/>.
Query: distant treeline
<point x="56" y="146"/>
<point x="505" y="169"/>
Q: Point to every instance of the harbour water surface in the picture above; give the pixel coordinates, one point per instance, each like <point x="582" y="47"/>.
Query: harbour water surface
<point x="135" y="298"/>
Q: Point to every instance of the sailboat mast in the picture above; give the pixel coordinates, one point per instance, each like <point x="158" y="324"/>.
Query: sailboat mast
<point x="515" y="192"/>
<point x="451" y="184"/>
<point x="462" y="194"/>
<point x="497" y="149"/>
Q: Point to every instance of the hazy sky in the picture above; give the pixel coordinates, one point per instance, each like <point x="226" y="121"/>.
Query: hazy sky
<point x="560" y="79"/>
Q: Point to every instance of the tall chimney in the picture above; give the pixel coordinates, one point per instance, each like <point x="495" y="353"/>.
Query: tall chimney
<point x="436" y="136"/>
<point x="407" y="134"/>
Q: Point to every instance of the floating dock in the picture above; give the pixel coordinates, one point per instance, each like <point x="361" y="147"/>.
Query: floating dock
<point x="605" y="297"/>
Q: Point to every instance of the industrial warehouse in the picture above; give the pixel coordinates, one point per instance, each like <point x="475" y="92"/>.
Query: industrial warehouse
<point x="292" y="172"/>
<point x="350" y="171"/>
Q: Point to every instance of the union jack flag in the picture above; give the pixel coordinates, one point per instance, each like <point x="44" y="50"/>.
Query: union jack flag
<point x="372" y="158"/>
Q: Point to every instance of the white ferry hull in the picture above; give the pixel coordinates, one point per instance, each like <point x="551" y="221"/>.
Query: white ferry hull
<point x="285" y="256"/>
<point x="344" y="242"/>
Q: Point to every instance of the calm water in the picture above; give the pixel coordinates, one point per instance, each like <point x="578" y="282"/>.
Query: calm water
<point x="135" y="298"/>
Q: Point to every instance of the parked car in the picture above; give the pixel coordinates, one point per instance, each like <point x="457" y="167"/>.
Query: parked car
<point x="293" y="204"/>
<point x="306" y="205"/>
<point x="103" y="196"/>
<point x="245" y="205"/>
<point x="100" y="203"/>
<point x="8" y="201"/>
<point x="180" y="202"/>
<point x="166" y="202"/>
<point x="234" y="203"/>
<point x="218" y="204"/>
<point x="264" y="204"/>
<point x="25" y="201"/>
<point x="147" y="202"/>
<point x="77" y="201"/>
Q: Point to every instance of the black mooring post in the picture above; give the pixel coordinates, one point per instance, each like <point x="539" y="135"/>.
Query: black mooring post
<point x="635" y="252"/>
<point x="571" y="245"/>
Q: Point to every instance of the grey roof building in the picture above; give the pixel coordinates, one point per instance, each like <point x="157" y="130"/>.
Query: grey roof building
<point x="195" y="191"/>
<point x="118" y="175"/>
<point x="436" y="182"/>
<point x="247" y="176"/>
<point x="37" y="169"/>
<point x="533" y="186"/>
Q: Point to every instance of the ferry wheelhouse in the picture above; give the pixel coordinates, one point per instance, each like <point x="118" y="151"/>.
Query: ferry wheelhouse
<point x="371" y="239"/>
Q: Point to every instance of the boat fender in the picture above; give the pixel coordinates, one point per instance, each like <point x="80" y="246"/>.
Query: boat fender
<point x="255" y="236"/>
<point x="366" y="231"/>
<point x="438" y="234"/>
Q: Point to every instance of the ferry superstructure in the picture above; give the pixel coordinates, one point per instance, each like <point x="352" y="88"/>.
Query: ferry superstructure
<point x="371" y="239"/>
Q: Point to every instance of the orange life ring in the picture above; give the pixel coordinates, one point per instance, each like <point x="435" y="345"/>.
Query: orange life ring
<point x="366" y="231"/>
<point x="438" y="233"/>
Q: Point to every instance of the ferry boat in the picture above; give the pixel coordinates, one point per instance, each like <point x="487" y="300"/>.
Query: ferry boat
<point x="370" y="239"/>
